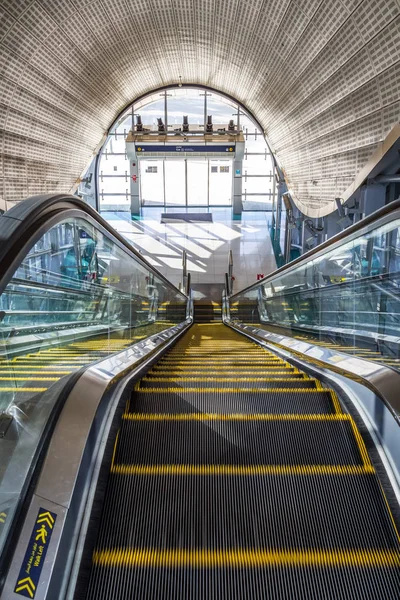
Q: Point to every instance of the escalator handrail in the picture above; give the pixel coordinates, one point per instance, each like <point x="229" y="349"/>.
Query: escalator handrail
<point x="381" y="379"/>
<point x="346" y="234"/>
<point x="19" y="222"/>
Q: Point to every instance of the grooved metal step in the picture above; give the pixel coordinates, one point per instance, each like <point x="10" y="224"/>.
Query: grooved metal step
<point x="225" y="484"/>
<point x="237" y="402"/>
<point x="234" y="442"/>
<point x="244" y="382"/>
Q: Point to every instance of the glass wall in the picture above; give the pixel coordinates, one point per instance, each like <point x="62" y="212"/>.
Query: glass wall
<point x="75" y="298"/>
<point x="167" y="182"/>
<point x="346" y="298"/>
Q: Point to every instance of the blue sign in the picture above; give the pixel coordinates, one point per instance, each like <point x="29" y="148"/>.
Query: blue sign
<point x="141" y="149"/>
<point x="35" y="554"/>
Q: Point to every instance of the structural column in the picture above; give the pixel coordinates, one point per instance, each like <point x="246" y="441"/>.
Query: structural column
<point x="135" y="187"/>
<point x="237" y="206"/>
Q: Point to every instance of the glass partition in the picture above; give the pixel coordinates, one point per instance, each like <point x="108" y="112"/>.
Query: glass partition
<point x="76" y="297"/>
<point x="346" y="298"/>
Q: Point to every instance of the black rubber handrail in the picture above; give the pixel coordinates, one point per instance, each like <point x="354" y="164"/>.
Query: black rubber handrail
<point x="19" y="223"/>
<point x="342" y="235"/>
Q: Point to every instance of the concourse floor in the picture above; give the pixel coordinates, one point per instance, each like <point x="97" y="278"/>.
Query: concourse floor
<point x="207" y="244"/>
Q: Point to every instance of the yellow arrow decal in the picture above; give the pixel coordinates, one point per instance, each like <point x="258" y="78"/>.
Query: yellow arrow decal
<point x="26" y="584"/>
<point x="3" y="517"/>
<point x="46" y="518"/>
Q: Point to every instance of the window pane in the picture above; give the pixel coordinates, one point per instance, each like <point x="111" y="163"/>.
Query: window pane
<point x="221" y="110"/>
<point x="258" y="202"/>
<point x="175" y="193"/>
<point x="151" y="113"/>
<point x="115" y="185"/>
<point x="220" y="183"/>
<point x="115" y="145"/>
<point x="185" y="102"/>
<point x="152" y="182"/>
<point x="256" y="185"/>
<point x="197" y="172"/>
<point x="258" y="165"/>
<point x="115" y="202"/>
<point x="113" y="165"/>
<point x="254" y="142"/>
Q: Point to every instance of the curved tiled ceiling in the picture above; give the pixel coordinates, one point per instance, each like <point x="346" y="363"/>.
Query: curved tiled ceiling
<point x="323" y="78"/>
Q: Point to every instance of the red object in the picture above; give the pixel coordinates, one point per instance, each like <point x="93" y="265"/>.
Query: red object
<point x="134" y="178"/>
<point x="260" y="276"/>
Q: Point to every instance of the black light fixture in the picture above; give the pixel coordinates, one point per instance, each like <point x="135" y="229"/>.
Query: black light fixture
<point x="231" y="126"/>
<point x="185" y="125"/>
<point x="139" y="124"/>
<point x="161" y="126"/>
<point x="209" y="125"/>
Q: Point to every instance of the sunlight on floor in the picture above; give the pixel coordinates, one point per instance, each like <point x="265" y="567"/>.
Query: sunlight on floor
<point x="207" y="244"/>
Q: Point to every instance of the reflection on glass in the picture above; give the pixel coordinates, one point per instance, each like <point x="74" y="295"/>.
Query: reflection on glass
<point x="346" y="298"/>
<point x="76" y="298"/>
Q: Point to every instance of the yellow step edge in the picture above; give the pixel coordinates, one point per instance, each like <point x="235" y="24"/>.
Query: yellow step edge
<point x="23" y="389"/>
<point x="245" y="558"/>
<point x="13" y="372"/>
<point x="225" y="379"/>
<point x="192" y="373"/>
<point x="222" y="361"/>
<point x="234" y="417"/>
<point x="29" y="378"/>
<point x="222" y="356"/>
<point x="361" y="446"/>
<point x="224" y="368"/>
<point x="241" y="470"/>
<point x="51" y="358"/>
<point x="62" y="365"/>
<point x="225" y="390"/>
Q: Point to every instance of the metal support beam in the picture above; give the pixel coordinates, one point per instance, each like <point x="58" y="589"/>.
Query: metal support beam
<point x="184" y="270"/>
<point x="230" y="272"/>
<point x="387" y="179"/>
<point x="278" y="209"/>
<point x="288" y="238"/>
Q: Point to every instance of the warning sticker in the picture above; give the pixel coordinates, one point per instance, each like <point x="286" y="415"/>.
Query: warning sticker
<point x="35" y="554"/>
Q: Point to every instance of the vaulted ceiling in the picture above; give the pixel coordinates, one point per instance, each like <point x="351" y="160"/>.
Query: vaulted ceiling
<point x="322" y="77"/>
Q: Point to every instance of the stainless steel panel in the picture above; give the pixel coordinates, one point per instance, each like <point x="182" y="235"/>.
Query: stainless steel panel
<point x="22" y="545"/>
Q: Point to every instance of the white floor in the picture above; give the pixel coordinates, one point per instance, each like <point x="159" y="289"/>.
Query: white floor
<point x="207" y="244"/>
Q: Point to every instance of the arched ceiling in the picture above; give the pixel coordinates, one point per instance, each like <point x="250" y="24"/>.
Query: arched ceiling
<point x="323" y="78"/>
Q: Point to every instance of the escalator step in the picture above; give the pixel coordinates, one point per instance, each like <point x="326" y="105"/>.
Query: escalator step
<point x="219" y="541"/>
<point x="201" y="364"/>
<point x="275" y="579"/>
<point x="241" y="401"/>
<point x="220" y="362"/>
<point x="220" y="373"/>
<point x="226" y="382"/>
<point x="327" y="441"/>
<point x="311" y="512"/>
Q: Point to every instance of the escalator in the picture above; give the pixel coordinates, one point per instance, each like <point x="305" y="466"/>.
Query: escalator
<point x="236" y="475"/>
<point x="154" y="454"/>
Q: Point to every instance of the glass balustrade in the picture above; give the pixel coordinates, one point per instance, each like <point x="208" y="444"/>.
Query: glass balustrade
<point x="76" y="297"/>
<point x="345" y="297"/>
